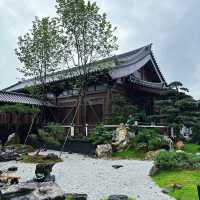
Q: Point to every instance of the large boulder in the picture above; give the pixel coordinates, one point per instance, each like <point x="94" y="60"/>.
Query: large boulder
<point x="121" y="138"/>
<point x="32" y="191"/>
<point x="179" y="145"/>
<point x="104" y="151"/>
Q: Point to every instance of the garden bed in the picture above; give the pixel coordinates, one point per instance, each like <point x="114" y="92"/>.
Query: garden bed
<point x="38" y="159"/>
<point x="129" y="154"/>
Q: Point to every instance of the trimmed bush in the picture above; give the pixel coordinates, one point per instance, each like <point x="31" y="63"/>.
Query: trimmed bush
<point x="100" y="135"/>
<point x="149" y="140"/>
<point x="57" y="131"/>
<point x="177" y="160"/>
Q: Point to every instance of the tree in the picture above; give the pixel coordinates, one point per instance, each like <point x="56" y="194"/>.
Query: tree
<point x="178" y="86"/>
<point x="178" y="108"/>
<point x="87" y="37"/>
<point x="40" y="50"/>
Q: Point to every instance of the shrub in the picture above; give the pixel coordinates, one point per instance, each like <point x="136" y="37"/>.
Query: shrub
<point x="177" y="160"/>
<point x="51" y="143"/>
<point x="49" y="140"/>
<point x="122" y="108"/>
<point x="196" y="133"/>
<point x="44" y="138"/>
<point x="100" y="135"/>
<point x="56" y="130"/>
<point x="149" y="140"/>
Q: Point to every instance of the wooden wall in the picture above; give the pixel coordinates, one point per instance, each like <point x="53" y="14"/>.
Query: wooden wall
<point x="13" y="118"/>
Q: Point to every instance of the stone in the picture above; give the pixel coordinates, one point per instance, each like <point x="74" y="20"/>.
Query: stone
<point x="177" y="186"/>
<point x="12" y="169"/>
<point x="12" y="139"/>
<point x="51" y="156"/>
<point x="120" y="139"/>
<point x="154" y="170"/>
<point x="169" y="142"/>
<point x="166" y="190"/>
<point x="117" y="166"/>
<point x="104" y="151"/>
<point x="43" y="172"/>
<point x="76" y="196"/>
<point x="179" y="145"/>
<point x="32" y="191"/>
<point x="118" y="197"/>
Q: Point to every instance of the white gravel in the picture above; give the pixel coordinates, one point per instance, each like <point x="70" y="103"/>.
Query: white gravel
<point x="97" y="177"/>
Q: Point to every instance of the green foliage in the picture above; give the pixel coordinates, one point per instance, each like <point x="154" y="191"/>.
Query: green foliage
<point x="39" y="50"/>
<point x="196" y="134"/>
<point x="149" y="140"/>
<point x="123" y="111"/>
<point x="100" y="135"/>
<point x="52" y="136"/>
<point x="86" y="34"/>
<point x="49" y="140"/>
<point x="19" y="109"/>
<point x="178" y="108"/>
<point x="57" y="131"/>
<point x="177" y="160"/>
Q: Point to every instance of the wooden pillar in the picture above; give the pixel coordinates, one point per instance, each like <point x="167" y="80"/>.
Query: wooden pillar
<point x="108" y="105"/>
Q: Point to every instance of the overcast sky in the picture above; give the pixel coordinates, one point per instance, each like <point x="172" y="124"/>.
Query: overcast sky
<point x="173" y="26"/>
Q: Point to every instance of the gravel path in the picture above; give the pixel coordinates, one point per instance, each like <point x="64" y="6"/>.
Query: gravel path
<point x="97" y="178"/>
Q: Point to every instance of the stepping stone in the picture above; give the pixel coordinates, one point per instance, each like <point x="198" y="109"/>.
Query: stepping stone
<point x="117" y="166"/>
<point x="77" y="196"/>
<point x="118" y="197"/>
<point x="12" y="169"/>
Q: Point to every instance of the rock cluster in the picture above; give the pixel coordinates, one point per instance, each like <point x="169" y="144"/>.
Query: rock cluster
<point x="120" y="142"/>
<point x="32" y="191"/>
<point x="8" y="155"/>
<point x="42" y="187"/>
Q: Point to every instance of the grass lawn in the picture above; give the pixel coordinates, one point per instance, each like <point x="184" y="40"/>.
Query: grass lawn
<point x="188" y="179"/>
<point x="38" y="159"/>
<point x="129" y="154"/>
<point x="191" y="148"/>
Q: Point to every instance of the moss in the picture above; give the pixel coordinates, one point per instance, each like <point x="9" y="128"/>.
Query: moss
<point x="189" y="179"/>
<point x="191" y="148"/>
<point x="39" y="159"/>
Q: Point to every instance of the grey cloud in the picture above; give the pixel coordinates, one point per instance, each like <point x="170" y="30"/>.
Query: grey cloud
<point x="173" y="27"/>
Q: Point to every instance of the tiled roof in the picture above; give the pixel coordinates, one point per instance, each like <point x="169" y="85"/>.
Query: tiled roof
<point x="11" y="97"/>
<point x="119" y="66"/>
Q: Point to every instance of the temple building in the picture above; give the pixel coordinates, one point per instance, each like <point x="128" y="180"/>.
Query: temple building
<point x="134" y="74"/>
